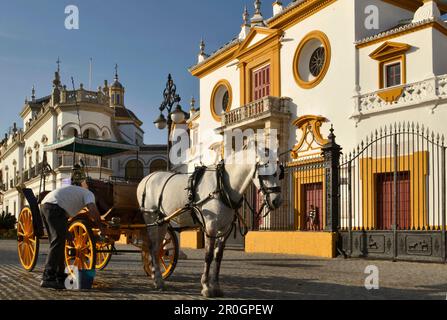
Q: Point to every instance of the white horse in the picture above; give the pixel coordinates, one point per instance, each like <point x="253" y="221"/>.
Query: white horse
<point x="163" y="193"/>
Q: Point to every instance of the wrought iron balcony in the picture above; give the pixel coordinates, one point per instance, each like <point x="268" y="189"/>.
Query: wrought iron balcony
<point x="256" y="109"/>
<point x="410" y="95"/>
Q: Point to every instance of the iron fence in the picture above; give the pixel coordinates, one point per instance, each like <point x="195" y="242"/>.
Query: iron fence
<point x="303" y="195"/>
<point x="393" y="194"/>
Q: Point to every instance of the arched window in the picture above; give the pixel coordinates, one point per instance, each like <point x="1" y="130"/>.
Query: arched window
<point x="134" y="170"/>
<point x="71" y="132"/>
<point x="158" y="165"/>
<point x="90" y="134"/>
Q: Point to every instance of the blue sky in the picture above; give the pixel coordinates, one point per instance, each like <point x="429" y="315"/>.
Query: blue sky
<point x="147" y="38"/>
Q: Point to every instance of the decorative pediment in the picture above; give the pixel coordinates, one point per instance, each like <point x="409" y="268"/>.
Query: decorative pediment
<point x="311" y="139"/>
<point x="257" y="36"/>
<point x="389" y="49"/>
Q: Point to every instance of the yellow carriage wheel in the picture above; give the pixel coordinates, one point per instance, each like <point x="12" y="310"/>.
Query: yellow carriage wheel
<point x="103" y="258"/>
<point x="168" y="255"/>
<point x="27" y="242"/>
<point x="80" y="247"/>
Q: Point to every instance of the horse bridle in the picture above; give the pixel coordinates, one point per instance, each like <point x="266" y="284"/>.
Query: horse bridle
<point x="267" y="191"/>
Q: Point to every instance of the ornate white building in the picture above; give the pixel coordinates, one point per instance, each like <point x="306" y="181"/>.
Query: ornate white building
<point x="360" y="66"/>
<point x="97" y="115"/>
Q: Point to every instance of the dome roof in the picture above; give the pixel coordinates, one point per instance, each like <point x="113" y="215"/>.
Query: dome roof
<point x="116" y="84"/>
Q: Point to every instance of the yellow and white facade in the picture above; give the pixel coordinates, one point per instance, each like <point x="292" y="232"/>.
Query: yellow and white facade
<point x="325" y="66"/>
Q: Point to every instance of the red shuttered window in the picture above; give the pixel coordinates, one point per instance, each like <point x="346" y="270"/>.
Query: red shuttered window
<point x="261" y="83"/>
<point x="313" y="194"/>
<point x="385" y="201"/>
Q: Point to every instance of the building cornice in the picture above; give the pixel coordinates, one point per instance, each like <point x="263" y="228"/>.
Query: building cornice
<point x="297" y="12"/>
<point x="219" y="59"/>
<point x="91" y="107"/>
<point x="12" y="148"/>
<point x="403" y="30"/>
<point x="36" y="124"/>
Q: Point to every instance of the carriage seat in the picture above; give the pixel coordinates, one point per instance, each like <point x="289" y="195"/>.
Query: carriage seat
<point x="103" y="192"/>
<point x="116" y="199"/>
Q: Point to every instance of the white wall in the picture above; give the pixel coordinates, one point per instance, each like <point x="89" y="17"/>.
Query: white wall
<point x="439" y="53"/>
<point x="207" y="136"/>
<point x="389" y="17"/>
<point x="419" y="60"/>
<point x="332" y="97"/>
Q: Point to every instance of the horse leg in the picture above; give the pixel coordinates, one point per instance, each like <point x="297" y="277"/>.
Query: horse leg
<point x="220" y="247"/>
<point x="156" y="236"/>
<point x="209" y="253"/>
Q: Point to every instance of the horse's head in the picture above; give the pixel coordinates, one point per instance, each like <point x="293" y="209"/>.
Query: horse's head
<point x="268" y="180"/>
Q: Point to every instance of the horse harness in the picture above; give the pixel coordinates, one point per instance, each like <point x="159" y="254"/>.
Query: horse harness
<point x="221" y="193"/>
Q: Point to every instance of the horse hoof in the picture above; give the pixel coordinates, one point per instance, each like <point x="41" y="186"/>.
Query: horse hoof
<point x="207" y="293"/>
<point x="160" y="287"/>
<point x="218" y="293"/>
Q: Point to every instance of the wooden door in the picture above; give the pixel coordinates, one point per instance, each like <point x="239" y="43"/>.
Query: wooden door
<point x="261" y="83"/>
<point x="385" y="201"/>
<point x="313" y="205"/>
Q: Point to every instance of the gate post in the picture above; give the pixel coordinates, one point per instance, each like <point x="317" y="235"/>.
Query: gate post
<point x="331" y="152"/>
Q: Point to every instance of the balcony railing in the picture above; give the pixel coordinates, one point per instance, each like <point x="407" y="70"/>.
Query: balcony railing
<point x="413" y="94"/>
<point x="25" y="176"/>
<point x="83" y="96"/>
<point x="256" y="109"/>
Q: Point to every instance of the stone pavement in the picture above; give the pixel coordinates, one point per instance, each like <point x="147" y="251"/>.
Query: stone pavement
<point x="244" y="276"/>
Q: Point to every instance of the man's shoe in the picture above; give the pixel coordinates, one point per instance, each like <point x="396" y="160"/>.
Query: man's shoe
<point x="52" y="284"/>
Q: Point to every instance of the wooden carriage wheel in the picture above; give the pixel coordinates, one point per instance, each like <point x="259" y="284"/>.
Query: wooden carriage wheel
<point x="168" y="255"/>
<point x="103" y="258"/>
<point x="27" y="242"/>
<point x="80" y="248"/>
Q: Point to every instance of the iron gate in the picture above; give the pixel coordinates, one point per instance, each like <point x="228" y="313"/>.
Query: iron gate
<point x="393" y="195"/>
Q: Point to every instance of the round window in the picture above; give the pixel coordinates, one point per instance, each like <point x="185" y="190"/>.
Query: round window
<point x="317" y="60"/>
<point x="225" y="100"/>
<point x="221" y="99"/>
<point x="312" y="59"/>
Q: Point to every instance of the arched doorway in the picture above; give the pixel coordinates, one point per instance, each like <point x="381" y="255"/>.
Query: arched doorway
<point x="134" y="170"/>
<point x="158" y="165"/>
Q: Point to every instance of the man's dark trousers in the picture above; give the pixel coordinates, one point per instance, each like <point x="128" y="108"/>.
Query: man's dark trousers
<point x="56" y="222"/>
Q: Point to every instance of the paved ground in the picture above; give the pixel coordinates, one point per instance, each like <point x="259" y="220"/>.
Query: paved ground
<point x="244" y="276"/>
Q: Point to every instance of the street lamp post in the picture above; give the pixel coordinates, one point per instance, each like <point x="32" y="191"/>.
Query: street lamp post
<point x="170" y="98"/>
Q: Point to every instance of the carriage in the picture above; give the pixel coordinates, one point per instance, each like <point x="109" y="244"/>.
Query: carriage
<point x="118" y="204"/>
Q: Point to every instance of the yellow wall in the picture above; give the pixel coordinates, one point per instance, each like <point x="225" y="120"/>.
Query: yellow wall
<point x="316" y="244"/>
<point x="191" y="240"/>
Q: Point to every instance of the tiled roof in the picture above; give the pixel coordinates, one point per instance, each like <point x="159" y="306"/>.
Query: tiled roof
<point x="122" y="112"/>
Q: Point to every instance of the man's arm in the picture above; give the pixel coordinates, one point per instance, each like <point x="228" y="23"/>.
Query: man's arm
<point x="93" y="210"/>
